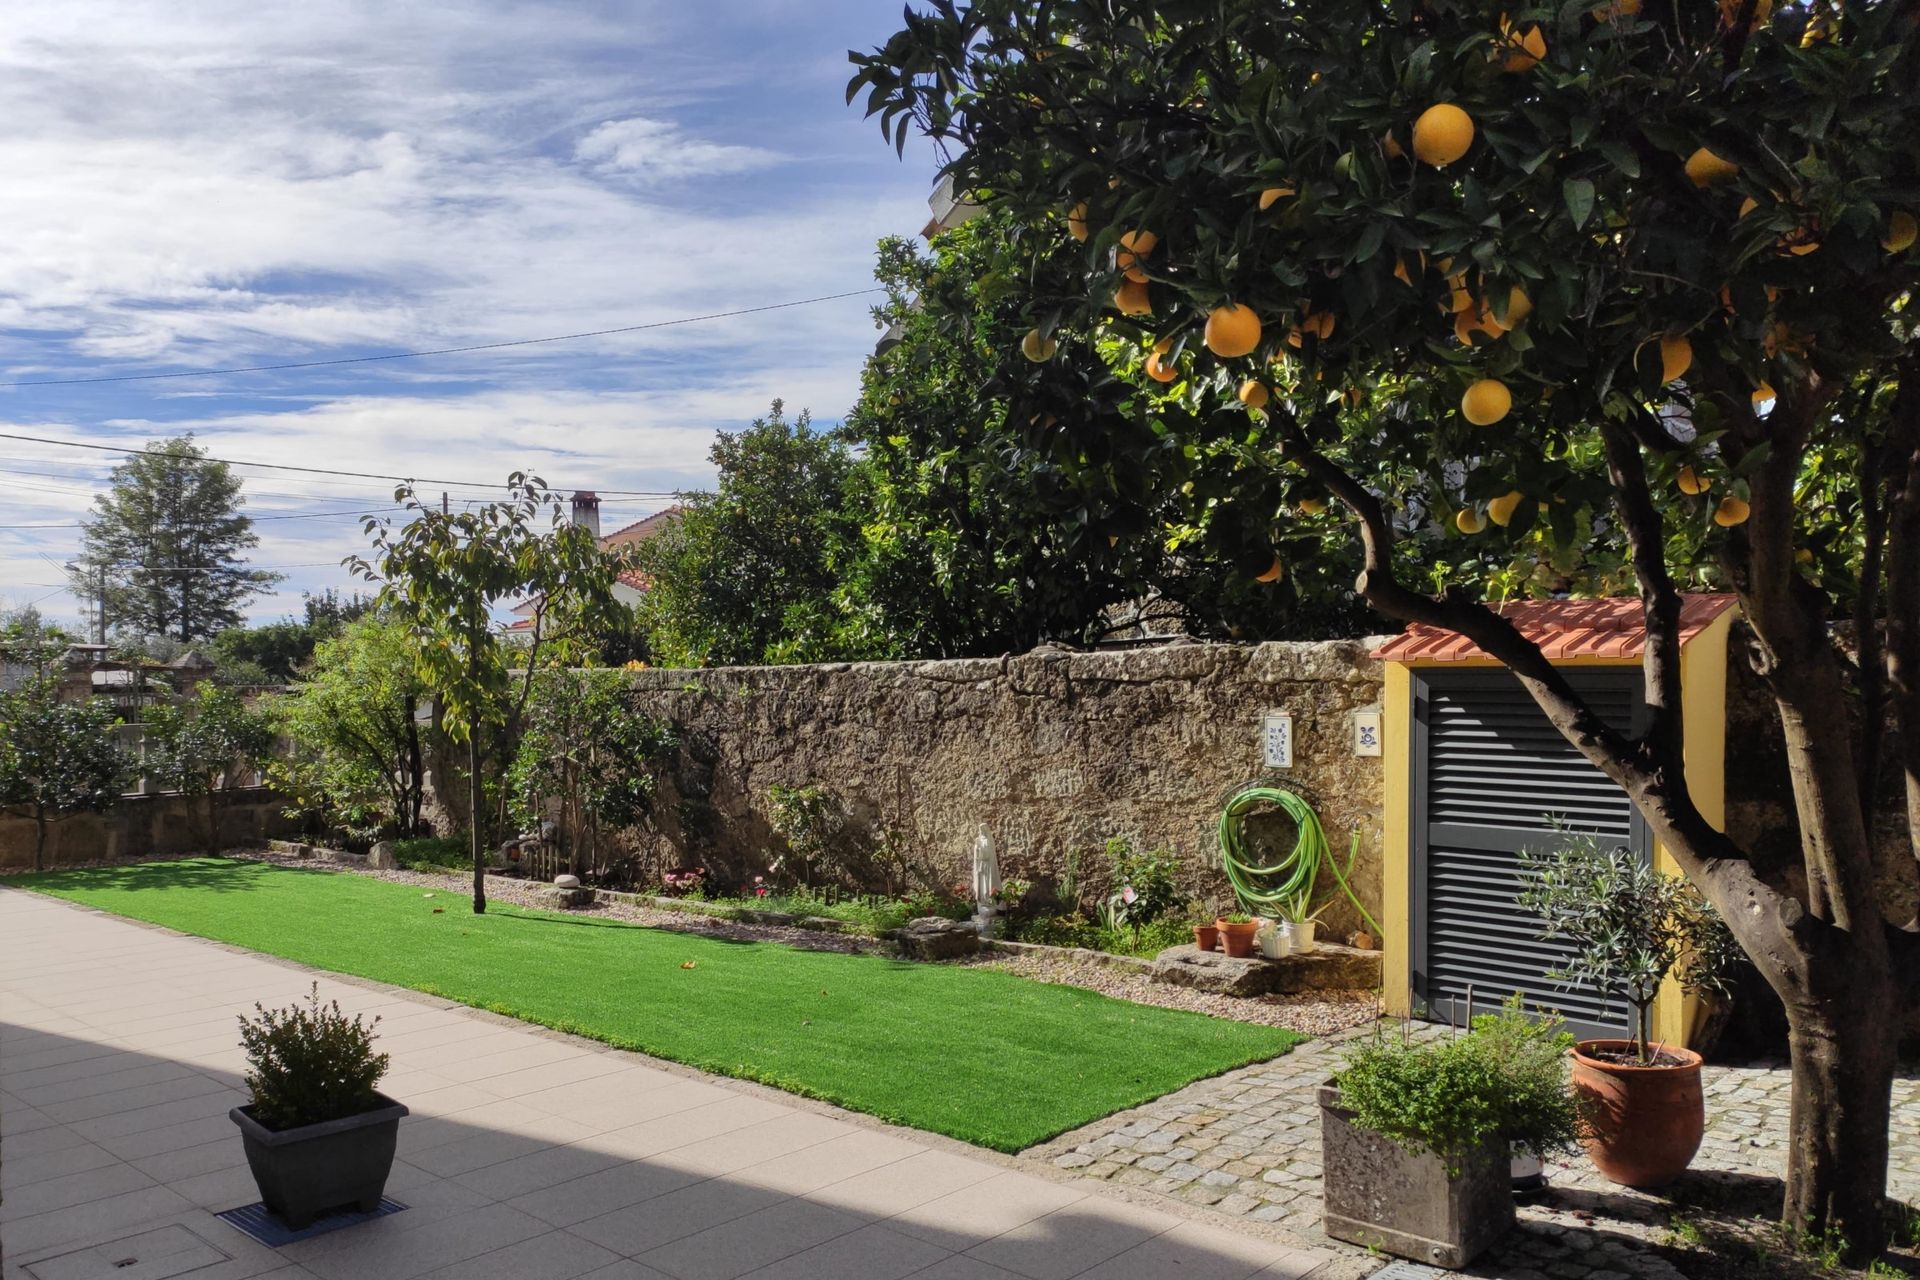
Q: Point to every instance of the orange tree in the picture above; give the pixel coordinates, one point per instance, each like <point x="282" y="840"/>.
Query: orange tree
<point x="1598" y="292"/>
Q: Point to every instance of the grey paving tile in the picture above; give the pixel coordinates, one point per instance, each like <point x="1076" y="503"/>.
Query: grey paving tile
<point x="556" y="1255"/>
<point x="746" y="1244"/>
<point x="662" y="1219"/>
<point x="873" y="1252"/>
<point x="1068" y="1241"/>
<point x="72" y="1189"/>
<point x="965" y="1218"/>
<point x="624" y="1184"/>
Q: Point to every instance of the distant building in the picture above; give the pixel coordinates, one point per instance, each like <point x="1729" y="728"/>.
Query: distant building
<point x="631" y="584"/>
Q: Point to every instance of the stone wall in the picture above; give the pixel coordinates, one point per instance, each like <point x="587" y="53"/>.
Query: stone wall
<point x="1053" y="751"/>
<point x="147" y="826"/>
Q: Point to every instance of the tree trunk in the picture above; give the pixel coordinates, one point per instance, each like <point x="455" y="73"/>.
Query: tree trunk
<point x="39" y="838"/>
<point x="416" y="776"/>
<point x="473" y="822"/>
<point x="1843" y="1063"/>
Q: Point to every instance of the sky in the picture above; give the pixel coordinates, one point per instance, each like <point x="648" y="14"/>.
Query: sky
<point x="223" y="183"/>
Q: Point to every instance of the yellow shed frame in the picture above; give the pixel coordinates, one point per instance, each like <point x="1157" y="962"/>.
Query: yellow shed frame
<point x="1703" y="687"/>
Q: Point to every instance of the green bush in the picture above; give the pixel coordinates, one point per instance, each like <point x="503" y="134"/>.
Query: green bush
<point x="433" y="853"/>
<point x="309" y="1065"/>
<point x="1506" y="1078"/>
<point x="1078" y="931"/>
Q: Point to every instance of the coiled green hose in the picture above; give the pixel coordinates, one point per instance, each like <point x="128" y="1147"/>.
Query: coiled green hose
<point x="1289" y="881"/>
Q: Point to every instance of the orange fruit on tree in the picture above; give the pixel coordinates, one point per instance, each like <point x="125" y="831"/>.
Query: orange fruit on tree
<point x="1442" y="134"/>
<point x="1312" y="506"/>
<point x="1706" y="168"/>
<point x="1253" y="393"/>
<point x="1486" y="402"/>
<point x="1519" y="306"/>
<point x="1902" y="230"/>
<point x="1730" y="512"/>
<point x="1747" y="206"/>
<point x="1615" y="10"/>
<point x="1272" y="194"/>
<point x="1763" y="399"/>
<point x="1467" y="520"/>
<point x="1391" y="145"/>
<point x="1132" y="299"/>
<point x="1501" y="509"/>
<point x="1232" y="330"/>
<point x="1077" y="221"/>
<point x="1159" y="368"/>
<point x="1523" y="50"/>
<point x="1691" y="482"/>
<point x="1037" y="348"/>
<point x="1272" y="572"/>
<point x="1676" y="356"/>
<point x="1730" y="12"/>
<point x="1135" y="245"/>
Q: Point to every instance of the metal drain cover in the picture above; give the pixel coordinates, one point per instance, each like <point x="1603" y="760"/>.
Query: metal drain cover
<point x="1408" y="1271"/>
<point x="151" y="1255"/>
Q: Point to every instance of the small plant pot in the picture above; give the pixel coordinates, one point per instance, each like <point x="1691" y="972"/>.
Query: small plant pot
<point x="1379" y="1197"/>
<point x="1237" y="939"/>
<point x="304" y="1172"/>
<point x="1274" y="944"/>
<point x="1206" y="937"/>
<point x="1299" y="935"/>
<point x="1644" y="1123"/>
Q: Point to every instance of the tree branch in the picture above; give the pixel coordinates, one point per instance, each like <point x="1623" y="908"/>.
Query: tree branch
<point x="1663" y="748"/>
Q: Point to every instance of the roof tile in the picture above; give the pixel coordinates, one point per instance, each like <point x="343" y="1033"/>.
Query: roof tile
<point x="1609" y="628"/>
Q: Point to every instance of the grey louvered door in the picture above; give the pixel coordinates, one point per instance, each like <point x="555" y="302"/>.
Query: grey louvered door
<point x="1490" y="776"/>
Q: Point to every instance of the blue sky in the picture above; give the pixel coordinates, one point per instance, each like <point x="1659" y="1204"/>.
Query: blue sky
<point x="230" y="183"/>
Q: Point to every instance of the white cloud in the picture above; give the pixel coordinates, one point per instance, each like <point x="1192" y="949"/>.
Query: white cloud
<point x="659" y="150"/>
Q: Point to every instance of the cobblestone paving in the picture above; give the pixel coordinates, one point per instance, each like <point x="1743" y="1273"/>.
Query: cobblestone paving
<point x="1248" y="1144"/>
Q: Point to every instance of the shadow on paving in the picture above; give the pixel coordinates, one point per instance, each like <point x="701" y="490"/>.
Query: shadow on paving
<point x="109" y="1154"/>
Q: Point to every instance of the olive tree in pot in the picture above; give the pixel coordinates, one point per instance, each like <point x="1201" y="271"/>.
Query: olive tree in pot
<point x="1417" y="1136"/>
<point x="318" y="1135"/>
<point x="1631" y="926"/>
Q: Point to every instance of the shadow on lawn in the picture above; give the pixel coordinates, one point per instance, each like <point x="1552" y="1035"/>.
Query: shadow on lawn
<point x="206" y="873"/>
<point x="695" y="926"/>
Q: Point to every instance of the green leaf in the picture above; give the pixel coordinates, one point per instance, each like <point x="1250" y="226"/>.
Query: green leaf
<point x="1578" y="194"/>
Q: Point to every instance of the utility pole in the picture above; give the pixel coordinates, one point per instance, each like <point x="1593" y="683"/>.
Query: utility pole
<point x="100" y="602"/>
<point x="443" y="502"/>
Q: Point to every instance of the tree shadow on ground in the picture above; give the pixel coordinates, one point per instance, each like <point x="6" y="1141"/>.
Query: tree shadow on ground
<point x="204" y="873"/>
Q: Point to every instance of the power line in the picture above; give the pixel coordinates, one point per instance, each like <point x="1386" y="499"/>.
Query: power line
<point x="441" y="351"/>
<point x="304" y="515"/>
<point x="324" y="471"/>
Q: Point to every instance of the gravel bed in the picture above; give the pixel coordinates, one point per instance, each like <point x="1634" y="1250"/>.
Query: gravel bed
<point x="1313" y="1013"/>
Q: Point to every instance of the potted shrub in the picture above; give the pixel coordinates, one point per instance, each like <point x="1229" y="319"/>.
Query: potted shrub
<point x="1631" y="926"/>
<point x="1418" y="1135"/>
<point x="318" y="1135"/>
<point x="1298" y="920"/>
<point x="1236" y="933"/>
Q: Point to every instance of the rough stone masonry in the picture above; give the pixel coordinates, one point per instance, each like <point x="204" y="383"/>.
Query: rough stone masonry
<point x="1054" y="751"/>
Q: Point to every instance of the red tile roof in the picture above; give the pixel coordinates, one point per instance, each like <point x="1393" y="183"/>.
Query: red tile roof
<point x="641" y="530"/>
<point x="1610" y="628"/>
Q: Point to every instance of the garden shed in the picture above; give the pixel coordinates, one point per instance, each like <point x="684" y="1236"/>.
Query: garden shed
<point x="1475" y="773"/>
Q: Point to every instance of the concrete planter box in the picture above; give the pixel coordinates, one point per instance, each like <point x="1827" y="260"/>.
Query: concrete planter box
<point x="304" y="1172"/>
<point x="1380" y="1197"/>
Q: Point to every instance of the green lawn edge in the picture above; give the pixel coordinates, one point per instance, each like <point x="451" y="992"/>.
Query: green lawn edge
<point x="986" y="1057"/>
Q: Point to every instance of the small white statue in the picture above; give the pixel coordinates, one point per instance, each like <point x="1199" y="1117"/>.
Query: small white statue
<point x="986" y="878"/>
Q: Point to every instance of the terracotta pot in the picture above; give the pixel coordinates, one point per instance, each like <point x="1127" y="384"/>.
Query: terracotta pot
<point x="1206" y="937"/>
<point x="1237" y="939"/>
<point x="1645" y="1122"/>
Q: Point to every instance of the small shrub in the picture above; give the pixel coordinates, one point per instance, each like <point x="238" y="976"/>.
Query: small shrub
<point x="686" y="882"/>
<point x="310" y="1064"/>
<point x="808" y="820"/>
<point x="1506" y="1078"/>
<point x="1144" y="888"/>
<point x="433" y="853"/>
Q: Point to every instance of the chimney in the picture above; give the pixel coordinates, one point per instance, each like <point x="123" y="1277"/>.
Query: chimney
<point x="586" y="511"/>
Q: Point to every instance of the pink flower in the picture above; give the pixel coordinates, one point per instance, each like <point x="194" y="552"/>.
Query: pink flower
<point x="1127" y="895"/>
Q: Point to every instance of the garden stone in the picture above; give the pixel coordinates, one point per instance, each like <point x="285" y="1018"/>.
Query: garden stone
<point x="566" y="882"/>
<point x="1328" y="967"/>
<point x="383" y="856"/>
<point x="937" y="938"/>
<point x="565" y="898"/>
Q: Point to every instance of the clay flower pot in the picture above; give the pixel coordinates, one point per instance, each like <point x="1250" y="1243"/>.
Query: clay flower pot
<point x="1645" y="1122"/>
<point x="1206" y="937"/>
<point x="1237" y="939"/>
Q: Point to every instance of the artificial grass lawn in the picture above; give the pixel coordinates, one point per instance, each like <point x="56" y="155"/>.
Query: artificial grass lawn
<point x="978" y="1055"/>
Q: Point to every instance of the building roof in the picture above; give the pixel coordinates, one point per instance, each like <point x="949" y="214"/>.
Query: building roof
<point x="640" y="531"/>
<point x="1609" y="628"/>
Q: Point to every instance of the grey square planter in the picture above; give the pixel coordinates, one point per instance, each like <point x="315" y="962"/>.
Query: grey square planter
<point x="1382" y="1198"/>
<point x="304" y="1172"/>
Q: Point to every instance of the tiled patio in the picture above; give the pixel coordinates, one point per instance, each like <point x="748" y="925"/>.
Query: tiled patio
<point x="529" y="1156"/>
